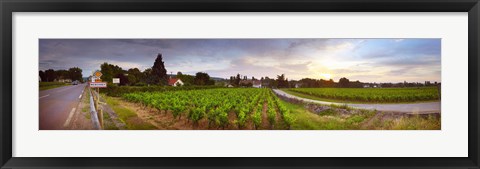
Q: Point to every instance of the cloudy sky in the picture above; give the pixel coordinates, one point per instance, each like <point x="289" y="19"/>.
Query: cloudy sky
<point x="367" y="60"/>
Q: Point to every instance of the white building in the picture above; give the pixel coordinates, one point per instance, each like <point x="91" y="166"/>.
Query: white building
<point x="257" y="84"/>
<point x="175" y="82"/>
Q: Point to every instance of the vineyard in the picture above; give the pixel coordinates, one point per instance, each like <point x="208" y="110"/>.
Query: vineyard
<point x="237" y="108"/>
<point x="118" y="91"/>
<point x="375" y="95"/>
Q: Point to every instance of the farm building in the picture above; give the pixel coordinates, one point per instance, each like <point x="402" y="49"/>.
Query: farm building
<point x="175" y="82"/>
<point x="246" y="83"/>
<point x="257" y="84"/>
<point x="298" y="85"/>
<point x="63" y="80"/>
<point x="370" y="86"/>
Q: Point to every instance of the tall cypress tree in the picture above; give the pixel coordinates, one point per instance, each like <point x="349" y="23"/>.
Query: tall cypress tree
<point x="159" y="72"/>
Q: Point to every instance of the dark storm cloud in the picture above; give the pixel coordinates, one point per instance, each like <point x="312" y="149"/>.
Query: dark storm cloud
<point x="175" y="51"/>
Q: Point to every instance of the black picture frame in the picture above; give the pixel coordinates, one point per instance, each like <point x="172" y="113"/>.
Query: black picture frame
<point x="7" y="7"/>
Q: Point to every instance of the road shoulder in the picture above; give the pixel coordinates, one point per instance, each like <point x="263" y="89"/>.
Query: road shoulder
<point x="81" y="119"/>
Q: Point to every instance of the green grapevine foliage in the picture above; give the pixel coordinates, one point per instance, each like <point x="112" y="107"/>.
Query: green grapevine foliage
<point x="215" y="105"/>
<point x="380" y="95"/>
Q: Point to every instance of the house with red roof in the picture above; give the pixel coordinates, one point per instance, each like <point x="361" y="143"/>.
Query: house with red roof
<point x="175" y="82"/>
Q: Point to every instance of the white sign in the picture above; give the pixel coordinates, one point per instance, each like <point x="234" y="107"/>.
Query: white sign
<point x="116" y="80"/>
<point x="98" y="84"/>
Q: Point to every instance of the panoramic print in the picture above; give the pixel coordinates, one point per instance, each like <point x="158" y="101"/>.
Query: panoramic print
<point x="240" y="84"/>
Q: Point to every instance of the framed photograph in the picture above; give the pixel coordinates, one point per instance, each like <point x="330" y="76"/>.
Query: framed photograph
<point x="239" y="84"/>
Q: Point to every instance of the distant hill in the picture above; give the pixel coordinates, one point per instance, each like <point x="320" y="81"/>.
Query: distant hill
<point x="217" y="78"/>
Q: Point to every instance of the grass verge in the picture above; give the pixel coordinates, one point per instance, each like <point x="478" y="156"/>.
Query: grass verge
<point x="86" y="105"/>
<point x="127" y="116"/>
<point x="51" y="85"/>
<point x="326" y="120"/>
<point x="414" y="122"/>
<point x="108" y="124"/>
<point x="334" y="119"/>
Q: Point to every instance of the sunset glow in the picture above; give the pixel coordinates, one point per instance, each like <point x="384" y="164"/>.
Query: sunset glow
<point x="325" y="76"/>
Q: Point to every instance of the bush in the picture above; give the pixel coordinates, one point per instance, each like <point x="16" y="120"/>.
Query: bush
<point x="140" y="84"/>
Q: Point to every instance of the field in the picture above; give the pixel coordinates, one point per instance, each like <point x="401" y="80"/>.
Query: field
<point x="118" y="91"/>
<point x="368" y="95"/>
<point x="326" y="117"/>
<point x="239" y="108"/>
<point x="51" y="85"/>
<point x="250" y="109"/>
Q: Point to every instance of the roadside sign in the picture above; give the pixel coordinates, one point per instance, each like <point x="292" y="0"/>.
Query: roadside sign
<point x="116" y="80"/>
<point x="98" y="84"/>
<point x="97" y="74"/>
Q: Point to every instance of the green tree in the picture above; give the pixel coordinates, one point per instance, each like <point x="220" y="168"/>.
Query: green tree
<point x="266" y="81"/>
<point x="281" y="82"/>
<point x="62" y="74"/>
<point x="135" y="76"/>
<point x="186" y="79"/>
<point x="331" y="83"/>
<point x="75" y="73"/>
<point x="109" y="71"/>
<point x="123" y="79"/>
<point x="50" y="75"/>
<point x="237" y="80"/>
<point x="42" y="76"/>
<point x="159" y="72"/>
<point x="202" y="78"/>
<point x="343" y="82"/>
<point x="149" y="78"/>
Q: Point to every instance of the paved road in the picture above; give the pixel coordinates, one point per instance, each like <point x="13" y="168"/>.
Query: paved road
<point x="58" y="105"/>
<point x="426" y="107"/>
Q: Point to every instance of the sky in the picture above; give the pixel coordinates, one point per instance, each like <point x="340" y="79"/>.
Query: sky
<point x="366" y="60"/>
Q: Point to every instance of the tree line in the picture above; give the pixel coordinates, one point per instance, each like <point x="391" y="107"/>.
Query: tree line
<point x="346" y="83"/>
<point x="243" y="81"/>
<point x="51" y="75"/>
<point x="155" y="75"/>
<point x="282" y="82"/>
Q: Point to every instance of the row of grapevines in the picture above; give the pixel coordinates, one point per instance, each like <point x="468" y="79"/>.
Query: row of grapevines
<point x="271" y="112"/>
<point x="215" y="105"/>
<point x="382" y="95"/>
<point x="284" y="111"/>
